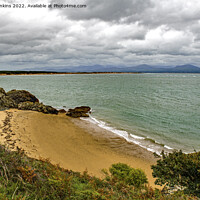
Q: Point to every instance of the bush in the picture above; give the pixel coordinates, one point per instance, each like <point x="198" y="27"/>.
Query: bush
<point x="179" y="169"/>
<point x="128" y="175"/>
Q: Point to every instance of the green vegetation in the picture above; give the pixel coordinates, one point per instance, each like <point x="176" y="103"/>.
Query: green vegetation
<point x="122" y="173"/>
<point x="180" y="170"/>
<point x="24" y="178"/>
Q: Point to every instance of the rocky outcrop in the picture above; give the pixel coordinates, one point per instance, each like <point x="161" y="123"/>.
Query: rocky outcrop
<point x="62" y="111"/>
<point x="81" y="111"/>
<point x="35" y="106"/>
<point x="19" y="96"/>
<point x="23" y="100"/>
<point x="5" y="101"/>
<point x="2" y="91"/>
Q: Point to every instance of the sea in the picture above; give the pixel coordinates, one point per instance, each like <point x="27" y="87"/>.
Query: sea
<point x="155" y="111"/>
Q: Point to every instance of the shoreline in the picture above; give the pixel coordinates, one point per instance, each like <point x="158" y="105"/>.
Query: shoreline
<point x="72" y="143"/>
<point x="143" y="142"/>
<point x="114" y="141"/>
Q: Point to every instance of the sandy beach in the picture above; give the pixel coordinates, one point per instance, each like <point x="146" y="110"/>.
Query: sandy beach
<point x="72" y="143"/>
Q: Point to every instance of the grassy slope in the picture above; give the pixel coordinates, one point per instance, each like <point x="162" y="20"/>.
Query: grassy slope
<point x="22" y="177"/>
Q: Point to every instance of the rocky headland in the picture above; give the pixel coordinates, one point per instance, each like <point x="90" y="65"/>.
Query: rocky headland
<point x="24" y="100"/>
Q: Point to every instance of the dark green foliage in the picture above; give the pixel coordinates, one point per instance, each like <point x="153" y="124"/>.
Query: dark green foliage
<point x="24" y="178"/>
<point x="179" y="169"/>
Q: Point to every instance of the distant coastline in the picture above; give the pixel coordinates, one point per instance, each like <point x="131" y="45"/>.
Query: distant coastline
<point x="8" y="73"/>
<point x="4" y="73"/>
<point x="100" y="69"/>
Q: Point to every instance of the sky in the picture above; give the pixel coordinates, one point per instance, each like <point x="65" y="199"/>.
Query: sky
<point x="105" y="32"/>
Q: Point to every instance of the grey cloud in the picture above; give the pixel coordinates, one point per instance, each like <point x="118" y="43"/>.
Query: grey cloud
<point x="112" y="10"/>
<point x="151" y="13"/>
<point x="20" y="1"/>
<point x="176" y="14"/>
<point x="108" y="33"/>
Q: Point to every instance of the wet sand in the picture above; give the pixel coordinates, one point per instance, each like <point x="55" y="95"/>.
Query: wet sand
<point x="72" y="143"/>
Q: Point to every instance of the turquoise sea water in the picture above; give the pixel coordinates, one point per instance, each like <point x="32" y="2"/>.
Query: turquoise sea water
<point x="155" y="111"/>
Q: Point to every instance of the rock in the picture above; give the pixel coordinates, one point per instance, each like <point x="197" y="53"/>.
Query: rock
<point x="2" y="91"/>
<point x="23" y="100"/>
<point x="51" y="110"/>
<point x="5" y="101"/>
<point x="62" y="111"/>
<point x="19" y="96"/>
<point x="79" y="112"/>
<point x="84" y="109"/>
<point x="35" y="106"/>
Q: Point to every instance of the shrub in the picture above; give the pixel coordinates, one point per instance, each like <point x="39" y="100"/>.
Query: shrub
<point x="128" y="175"/>
<point x="179" y="169"/>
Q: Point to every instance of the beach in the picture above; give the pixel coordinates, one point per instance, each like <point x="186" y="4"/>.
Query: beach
<point x="142" y="106"/>
<point x="72" y="143"/>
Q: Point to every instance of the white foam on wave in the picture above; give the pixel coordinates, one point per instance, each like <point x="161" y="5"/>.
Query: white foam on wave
<point x="139" y="140"/>
<point x="103" y="125"/>
<point x="167" y="147"/>
<point x="137" y="137"/>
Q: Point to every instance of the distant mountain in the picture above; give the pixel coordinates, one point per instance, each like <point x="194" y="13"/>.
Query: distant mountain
<point x="178" y="69"/>
<point x="139" y="68"/>
<point x="185" y="69"/>
<point x="93" y="68"/>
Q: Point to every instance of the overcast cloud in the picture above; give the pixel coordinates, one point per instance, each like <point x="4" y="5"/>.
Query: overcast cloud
<point x="106" y="32"/>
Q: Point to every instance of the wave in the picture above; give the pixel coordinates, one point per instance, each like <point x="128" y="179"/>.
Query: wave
<point x="144" y="142"/>
<point x="167" y="147"/>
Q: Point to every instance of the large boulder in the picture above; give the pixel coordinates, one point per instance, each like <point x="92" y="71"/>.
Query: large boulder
<point x="19" y="96"/>
<point x="35" y="106"/>
<point x="5" y="101"/>
<point x="81" y="111"/>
